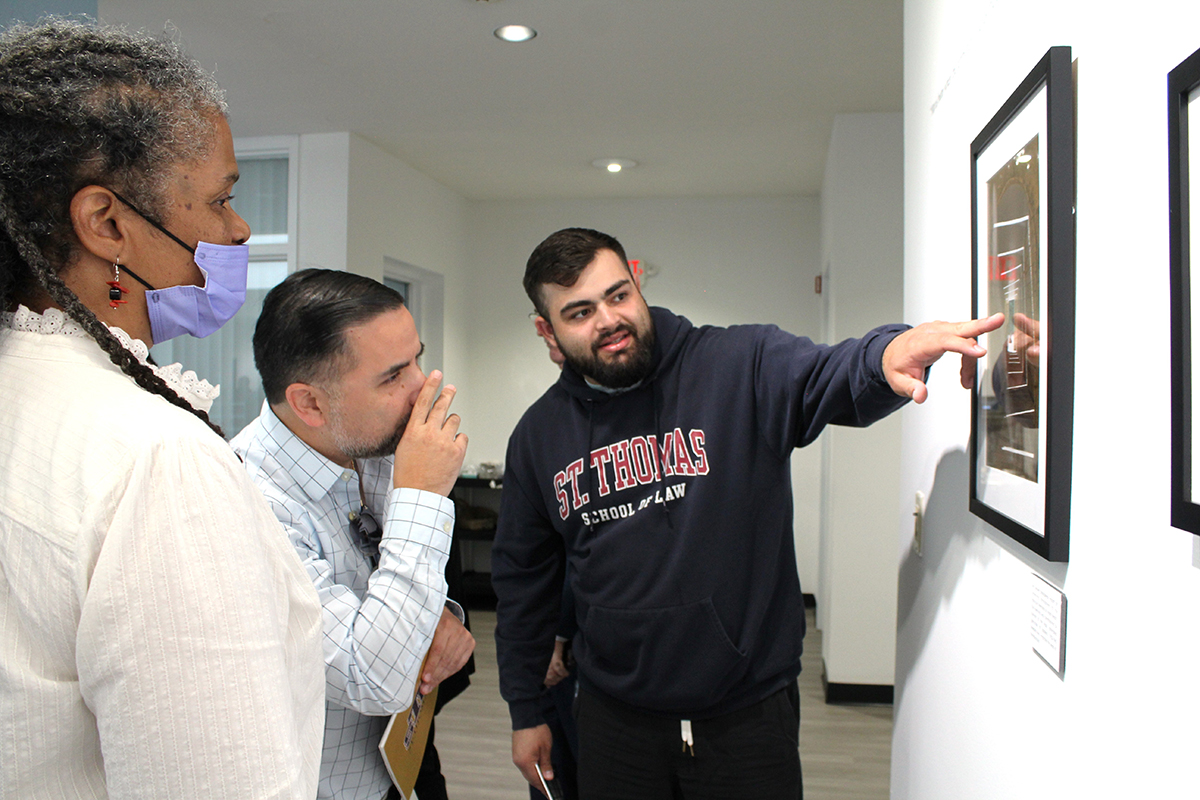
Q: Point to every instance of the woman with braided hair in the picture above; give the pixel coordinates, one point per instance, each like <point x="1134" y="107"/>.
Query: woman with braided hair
<point x="158" y="636"/>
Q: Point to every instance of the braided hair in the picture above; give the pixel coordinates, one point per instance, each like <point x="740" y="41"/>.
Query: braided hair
<point x="82" y="105"/>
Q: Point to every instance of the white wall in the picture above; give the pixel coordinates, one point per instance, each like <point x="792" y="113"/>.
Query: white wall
<point x="977" y="714"/>
<point x="720" y="261"/>
<point x="360" y="207"/>
<point x="861" y="243"/>
<point x="398" y="213"/>
<point x="323" y="200"/>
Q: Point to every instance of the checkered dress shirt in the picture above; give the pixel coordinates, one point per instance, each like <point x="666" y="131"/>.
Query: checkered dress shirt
<point x="378" y="624"/>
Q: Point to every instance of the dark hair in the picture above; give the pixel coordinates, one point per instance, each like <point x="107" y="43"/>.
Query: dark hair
<point x="561" y="257"/>
<point x="79" y="105"/>
<point x="300" y="338"/>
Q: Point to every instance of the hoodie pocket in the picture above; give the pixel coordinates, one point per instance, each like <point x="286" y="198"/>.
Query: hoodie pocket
<point x="673" y="659"/>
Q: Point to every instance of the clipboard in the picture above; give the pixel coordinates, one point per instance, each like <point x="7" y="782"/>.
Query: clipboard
<point x="404" y="740"/>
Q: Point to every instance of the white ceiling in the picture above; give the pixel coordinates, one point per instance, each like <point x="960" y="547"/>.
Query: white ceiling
<point x="711" y="97"/>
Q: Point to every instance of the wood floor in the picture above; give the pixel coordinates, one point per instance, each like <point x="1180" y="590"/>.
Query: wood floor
<point x="844" y="750"/>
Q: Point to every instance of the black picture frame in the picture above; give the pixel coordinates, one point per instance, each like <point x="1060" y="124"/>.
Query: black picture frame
<point x="1023" y="402"/>
<point x="1182" y="83"/>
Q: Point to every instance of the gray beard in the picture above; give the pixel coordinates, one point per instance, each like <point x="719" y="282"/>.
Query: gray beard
<point x="361" y="450"/>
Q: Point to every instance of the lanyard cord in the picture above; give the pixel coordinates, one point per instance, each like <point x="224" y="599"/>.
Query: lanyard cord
<point x="362" y="495"/>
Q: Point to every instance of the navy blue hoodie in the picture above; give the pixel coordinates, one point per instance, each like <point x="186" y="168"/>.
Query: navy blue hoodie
<point x="673" y="502"/>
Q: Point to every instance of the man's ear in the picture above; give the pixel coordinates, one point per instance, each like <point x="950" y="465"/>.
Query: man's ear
<point x="545" y="330"/>
<point x="309" y="403"/>
<point x="97" y="227"/>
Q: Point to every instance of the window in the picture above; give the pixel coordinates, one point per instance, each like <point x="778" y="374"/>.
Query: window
<point x="262" y="197"/>
<point x="265" y="198"/>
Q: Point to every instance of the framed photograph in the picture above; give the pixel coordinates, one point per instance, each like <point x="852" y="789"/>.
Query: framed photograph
<point x="1023" y="265"/>
<point x="1183" y="84"/>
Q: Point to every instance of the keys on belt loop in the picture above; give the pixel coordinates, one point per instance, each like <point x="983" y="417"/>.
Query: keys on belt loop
<point x="685" y="732"/>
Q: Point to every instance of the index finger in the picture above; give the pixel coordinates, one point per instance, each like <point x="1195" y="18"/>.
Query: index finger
<point x="425" y="397"/>
<point x="972" y="328"/>
<point x="1026" y="324"/>
<point x="441" y="407"/>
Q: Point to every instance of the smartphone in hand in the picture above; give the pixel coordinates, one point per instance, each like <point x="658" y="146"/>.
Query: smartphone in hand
<point x="552" y="787"/>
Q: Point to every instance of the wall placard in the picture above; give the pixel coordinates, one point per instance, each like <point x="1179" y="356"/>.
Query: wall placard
<point x="1048" y="624"/>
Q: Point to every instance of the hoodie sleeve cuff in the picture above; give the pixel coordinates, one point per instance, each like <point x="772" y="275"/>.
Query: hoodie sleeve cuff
<point x="525" y="714"/>
<point x="877" y="341"/>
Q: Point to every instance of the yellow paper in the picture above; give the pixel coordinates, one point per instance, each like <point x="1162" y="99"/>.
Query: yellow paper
<point x="403" y="743"/>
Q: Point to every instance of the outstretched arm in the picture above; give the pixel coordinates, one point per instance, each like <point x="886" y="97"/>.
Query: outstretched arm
<point x="914" y="351"/>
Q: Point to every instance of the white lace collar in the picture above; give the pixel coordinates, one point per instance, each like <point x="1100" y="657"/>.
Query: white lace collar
<point x="197" y="391"/>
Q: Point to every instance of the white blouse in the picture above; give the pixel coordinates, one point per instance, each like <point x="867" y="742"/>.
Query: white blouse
<point x="159" y="638"/>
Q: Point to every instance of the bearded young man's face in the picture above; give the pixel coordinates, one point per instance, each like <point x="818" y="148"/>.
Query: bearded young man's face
<point x="602" y="324"/>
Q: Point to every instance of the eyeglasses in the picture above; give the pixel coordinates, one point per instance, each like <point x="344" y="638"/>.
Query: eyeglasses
<point x="367" y="532"/>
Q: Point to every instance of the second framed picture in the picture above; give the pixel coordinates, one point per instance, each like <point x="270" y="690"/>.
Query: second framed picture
<point x="1023" y="265"/>
<point x="1183" y="137"/>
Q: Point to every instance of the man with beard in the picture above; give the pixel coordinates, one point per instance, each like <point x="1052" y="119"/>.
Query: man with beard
<point x="658" y="467"/>
<point x="356" y="452"/>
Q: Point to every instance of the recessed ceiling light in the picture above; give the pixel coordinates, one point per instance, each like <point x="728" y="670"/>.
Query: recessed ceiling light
<point x="614" y="164"/>
<point x="515" y="33"/>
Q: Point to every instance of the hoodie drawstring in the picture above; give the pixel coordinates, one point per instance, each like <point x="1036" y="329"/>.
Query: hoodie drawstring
<point x="660" y="468"/>
<point x="587" y="458"/>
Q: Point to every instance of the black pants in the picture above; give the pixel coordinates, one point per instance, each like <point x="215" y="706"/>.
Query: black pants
<point x="750" y="753"/>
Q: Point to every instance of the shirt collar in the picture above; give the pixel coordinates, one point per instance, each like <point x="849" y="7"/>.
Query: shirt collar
<point x="315" y="474"/>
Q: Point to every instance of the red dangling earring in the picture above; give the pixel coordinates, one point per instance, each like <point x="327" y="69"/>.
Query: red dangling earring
<point x="115" y="289"/>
